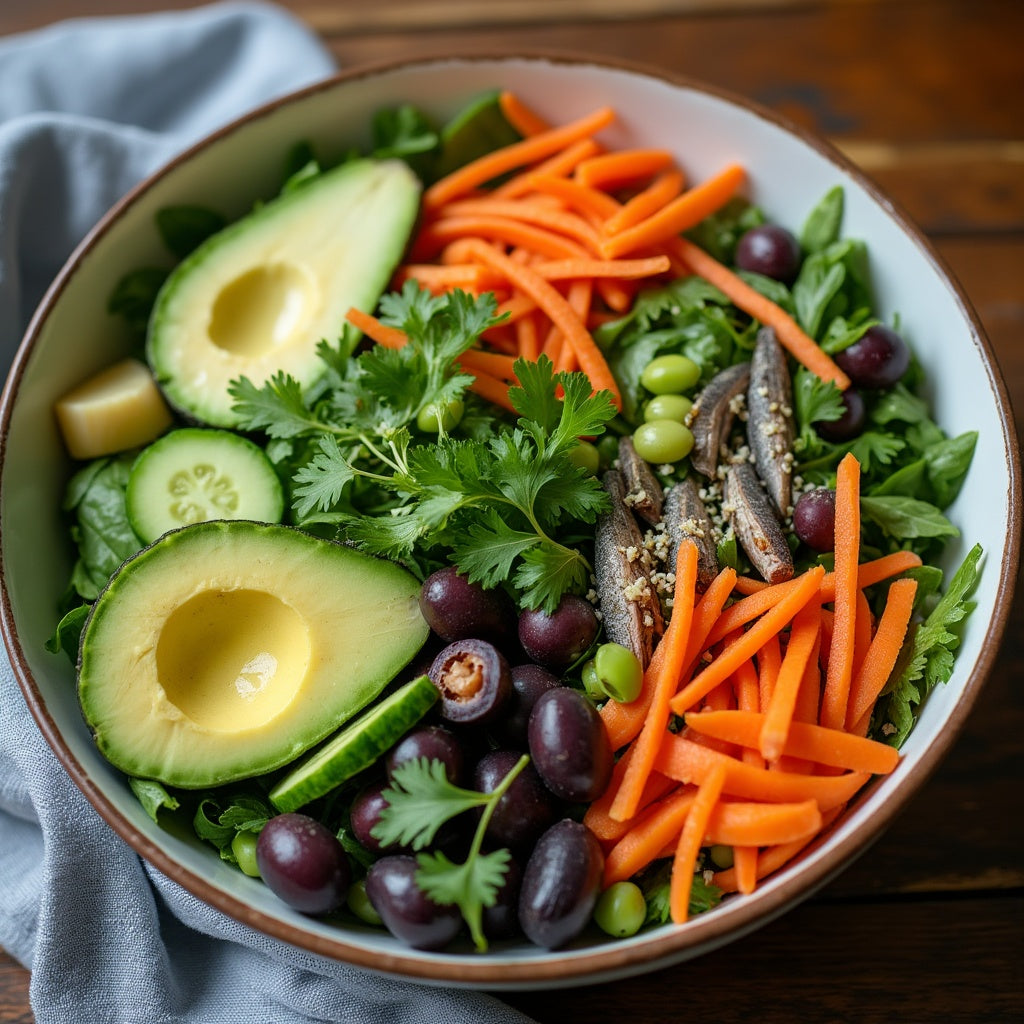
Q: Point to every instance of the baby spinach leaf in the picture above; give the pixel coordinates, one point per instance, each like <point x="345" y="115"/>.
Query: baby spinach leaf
<point x="903" y="518"/>
<point x="823" y="223"/>
<point x="184" y="228"/>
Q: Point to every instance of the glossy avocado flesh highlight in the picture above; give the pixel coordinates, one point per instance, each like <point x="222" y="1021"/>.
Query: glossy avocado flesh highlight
<point x="257" y="298"/>
<point x="226" y="649"/>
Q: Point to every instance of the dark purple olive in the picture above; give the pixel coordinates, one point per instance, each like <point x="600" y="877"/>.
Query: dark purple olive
<point x="528" y="683"/>
<point x="850" y="424"/>
<point x="769" y="250"/>
<point x="877" y="359"/>
<point x="365" y="813"/>
<point x="474" y="680"/>
<point x="456" y="609"/>
<point x="526" y="808"/>
<point x="501" y="919"/>
<point x="814" y="519"/>
<point x="303" y="863"/>
<point x="433" y="742"/>
<point x="407" y="912"/>
<point x="561" y="883"/>
<point x="569" y="745"/>
<point x="561" y="637"/>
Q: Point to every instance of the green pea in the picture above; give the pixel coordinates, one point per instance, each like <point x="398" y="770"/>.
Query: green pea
<point x="668" y="407"/>
<point x="434" y="418"/>
<point x="591" y="682"/>
<point x="619" y="672"/>
<point x="662" y="441"/>
<point x="586" y="456"/>
<point x="670" y="375"/>
<point x="243" y="846"/>
<point x="360" y="905"/>
<point x="621" y="909"/>
<point x="722" y="857"/>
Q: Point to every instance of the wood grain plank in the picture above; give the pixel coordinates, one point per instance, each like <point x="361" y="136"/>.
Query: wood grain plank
<point x="14" y="984"/>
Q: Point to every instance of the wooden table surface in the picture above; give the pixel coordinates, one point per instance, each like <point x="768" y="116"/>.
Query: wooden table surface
<point x="928" y="96"/>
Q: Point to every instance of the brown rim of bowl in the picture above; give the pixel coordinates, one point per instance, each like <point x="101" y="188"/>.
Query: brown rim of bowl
<point x="664" y="946"/>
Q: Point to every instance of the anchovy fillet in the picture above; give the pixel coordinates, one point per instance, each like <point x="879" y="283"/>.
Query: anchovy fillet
<point x="643" y="491"/>
<point x="770" y="419"/>
<point x="686" y="516"/>
<point x="755" y="524"/>
<point x="629" y="605"/>
<point x="712" y="415"/>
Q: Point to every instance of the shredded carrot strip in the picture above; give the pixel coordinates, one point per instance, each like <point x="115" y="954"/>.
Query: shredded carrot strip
<point x="872" y="572"/>
<point x="559" y="165"/>
<point x="518" y="154"/>
<point x="690" y="840"/>
<point x="520" y="116"/>
<point x="586" y="200"/>
<point x="847" y="551"/>
<point x="527" y="211"/>
<point x="623" y="167"/>
<point x="663" y="189"/>
<point x="389" y="337"/>
<point x="680" y="214"/>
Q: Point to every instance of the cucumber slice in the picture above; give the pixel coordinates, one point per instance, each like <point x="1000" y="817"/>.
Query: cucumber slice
<point x="193" y="475"/>
<point x="357" y="746"/>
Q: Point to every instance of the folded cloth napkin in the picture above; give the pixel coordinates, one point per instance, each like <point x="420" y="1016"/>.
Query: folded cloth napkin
<point x="87" y="108"/>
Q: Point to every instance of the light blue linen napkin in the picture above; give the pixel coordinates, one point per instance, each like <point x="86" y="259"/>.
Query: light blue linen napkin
<point x="88" y="108"/>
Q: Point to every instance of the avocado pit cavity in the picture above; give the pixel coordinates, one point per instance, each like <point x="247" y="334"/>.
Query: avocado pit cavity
<point x="233" y="659"/>
<point x="263" y="309"/>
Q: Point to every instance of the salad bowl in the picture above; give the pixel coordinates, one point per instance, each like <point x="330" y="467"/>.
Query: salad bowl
<point x="73" y="336"/>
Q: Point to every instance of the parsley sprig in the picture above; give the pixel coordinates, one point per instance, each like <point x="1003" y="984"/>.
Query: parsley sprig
<point x="420" y="800"/>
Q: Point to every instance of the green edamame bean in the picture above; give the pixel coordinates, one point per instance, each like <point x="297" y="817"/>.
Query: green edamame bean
<point x="434" y="418"/>
<point x="360" y="905"/>
<point x="670" y="375"/>
<point x="243" y="846"/>
<point x="586" y="456"/>
<point x="663" y="441"/>
<point x="621" y="909"/>
<point x="591" y="682"/>
<point x="668" y="407"/>
<point x="618" y="672"/>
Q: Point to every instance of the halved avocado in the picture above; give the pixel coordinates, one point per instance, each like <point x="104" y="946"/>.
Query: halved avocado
<point x="257" y="297"/>
<point x="228" y="648"/>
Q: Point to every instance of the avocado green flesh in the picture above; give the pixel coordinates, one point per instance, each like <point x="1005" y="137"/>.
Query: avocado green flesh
<point x="357" y="746"/>
<point x="229" y="648"/>
<point x="258" y="297"/>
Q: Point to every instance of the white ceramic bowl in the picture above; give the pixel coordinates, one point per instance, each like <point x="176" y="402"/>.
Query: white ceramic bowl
<point x="71" y="336"/>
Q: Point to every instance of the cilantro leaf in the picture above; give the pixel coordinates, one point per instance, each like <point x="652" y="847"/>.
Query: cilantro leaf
<point x="278" y="408"/>
<point x="153" y="797"/>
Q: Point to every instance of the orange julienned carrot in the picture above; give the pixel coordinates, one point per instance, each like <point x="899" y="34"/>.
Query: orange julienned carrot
<point x="601" y="823"/>
<point x="582" y="198"/>
<point x="493" y="389"/>
<point x="660" y="191"/>
<point x="778" y="717"/>
<point x="382" y="334"/>
<point x="530" y="150"/>
<point x="748" y="698"/>
<point x="690" y="841"/>
<point x="560" y="164"/>
<point x="862" y="631"/>
<point x="679" y="214"/>
<point x="559" y="221"/>
<point x="884" y="650"/>
<point x="623" y="722"/>
<point x="494" y="363"/>
<point x="745" y="646"/>
<point x="769" y="661"/>
<point x="707" y="612"/>
<point x="556" y="270"/>
<point x="751" y="607"/>
<point x="622" y="167"/>
<point x="775" y="857"/>
<point x="847" y="554"/>
<point x="686" y="761"/>
<point x="833" y="747"/>
<point x="509" y="230"/>
<point x="874" y="571"/>
<point x="655" y="724"/>
<point x="519" y="115"/>
<point x="591" y="359"/>
<point x="791" y="336"/>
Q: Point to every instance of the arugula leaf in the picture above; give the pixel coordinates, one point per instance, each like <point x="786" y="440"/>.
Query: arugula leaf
<point x="931" y="655"/>
<point x="153" y="797"/>
<point x="823" y="223"/>
<point x="418" y="802"/>
<point x="947" y="462"/>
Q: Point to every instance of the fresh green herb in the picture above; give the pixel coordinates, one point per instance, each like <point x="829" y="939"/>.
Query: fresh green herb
<point x="69" y="631"/>
<point x="902" y="518"/>
<point x="419" y="801"/>
<point x="153" y="797"/>
<point x="655" y="883"/>
<point x="823" y="223"/>
<point x="405" y="133"/>
<point x="217" y="823"/>
<point x="184" y="228"/>
<point x="931" y="655"/>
